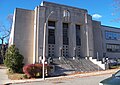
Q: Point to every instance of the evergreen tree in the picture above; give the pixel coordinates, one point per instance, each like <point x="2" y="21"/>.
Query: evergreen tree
<point x="13" y="59"/>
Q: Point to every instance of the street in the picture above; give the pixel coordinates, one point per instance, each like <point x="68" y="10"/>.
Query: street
<point x="92" y="80"/>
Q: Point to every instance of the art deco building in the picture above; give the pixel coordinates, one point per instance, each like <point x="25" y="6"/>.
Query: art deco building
<point x="71" y="32"/>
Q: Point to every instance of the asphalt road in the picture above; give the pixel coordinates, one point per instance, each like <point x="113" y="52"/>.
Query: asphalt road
<point x="92" y="80"/>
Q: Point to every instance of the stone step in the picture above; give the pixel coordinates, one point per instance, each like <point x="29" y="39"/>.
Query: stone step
<point x="77" y="65"/>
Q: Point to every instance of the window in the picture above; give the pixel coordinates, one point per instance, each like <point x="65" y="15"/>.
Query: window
<point x="117" y="74"/>
<point x="66" y="13"/>
<point x="51" y="23"/>
<point x="112" y="35"/>
<point x="65" y="34"/>
<point x="51" y="50"/>
<point x="78" y="51"/>
<point x="78" y="40"/>
<point x="65" y="51"/>
<point x="51" y="32"/>
<point x="113" y="47"/>
<point x="51" y="38"/>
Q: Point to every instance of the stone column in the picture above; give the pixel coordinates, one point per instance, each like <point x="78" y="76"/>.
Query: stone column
<point x="72" y="39"/>
<point x="83" y="48"/>
<point x="90" y="37"/>
<point x="58" y="38"/>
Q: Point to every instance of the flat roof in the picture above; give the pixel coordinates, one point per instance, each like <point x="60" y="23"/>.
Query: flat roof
<point x="110" y="27"/>
<point x="46" y="2"/>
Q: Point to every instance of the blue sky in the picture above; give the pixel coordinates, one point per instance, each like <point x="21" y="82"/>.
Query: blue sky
<point x="101" y="9"/>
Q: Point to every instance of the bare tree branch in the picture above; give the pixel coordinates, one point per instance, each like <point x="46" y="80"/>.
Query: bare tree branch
<point x="5" y="32"/>
<point x="10" y="18"/>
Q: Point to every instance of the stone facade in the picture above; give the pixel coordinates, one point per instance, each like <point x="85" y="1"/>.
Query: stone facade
<point x="28" y="31"/>
<point x="22" y="33"/>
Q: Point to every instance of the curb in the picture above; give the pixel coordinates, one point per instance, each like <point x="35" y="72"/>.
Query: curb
<point x="82" y="75"/>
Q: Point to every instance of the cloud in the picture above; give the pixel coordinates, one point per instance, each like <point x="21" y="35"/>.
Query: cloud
<point x="96" y="16"/>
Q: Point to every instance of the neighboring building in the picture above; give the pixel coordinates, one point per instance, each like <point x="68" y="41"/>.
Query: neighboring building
<point x="106" y="41"/>
<point x="111" y="41"/>
<point x="70" y="32"/>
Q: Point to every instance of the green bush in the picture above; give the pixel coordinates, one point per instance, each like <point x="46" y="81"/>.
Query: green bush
<point x="13" y="60"/>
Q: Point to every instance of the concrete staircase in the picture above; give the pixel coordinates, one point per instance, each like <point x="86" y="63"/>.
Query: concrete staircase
<point x="68" y="65"/>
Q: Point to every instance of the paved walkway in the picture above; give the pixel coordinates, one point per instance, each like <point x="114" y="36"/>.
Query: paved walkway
<point x="4" y="78"/>
<point x="91" y="80"/>
<point x="3" y="75"/>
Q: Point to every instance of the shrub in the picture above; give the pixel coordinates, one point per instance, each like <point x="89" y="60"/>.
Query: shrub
<point x="34" y="70"/>
<point x="13" y="60"/>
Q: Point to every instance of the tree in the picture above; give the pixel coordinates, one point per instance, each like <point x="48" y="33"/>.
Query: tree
<point x="13" y="59"/>
<point x="2" y="52"/>
<point x="5" y="32"/>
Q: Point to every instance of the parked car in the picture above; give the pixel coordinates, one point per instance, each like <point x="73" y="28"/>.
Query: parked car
<point x="112" y="62"/>
<point x="113" y="80"/>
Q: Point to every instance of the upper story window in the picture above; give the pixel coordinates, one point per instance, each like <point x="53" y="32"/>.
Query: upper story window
<point x="66" y="13"/>
<point x="112" y="35"/>
<point x="51" y="32"/>
<point x="51" y="25"/>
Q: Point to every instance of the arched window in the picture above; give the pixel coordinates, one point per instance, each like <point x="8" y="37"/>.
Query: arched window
<point x="66" y="13"/>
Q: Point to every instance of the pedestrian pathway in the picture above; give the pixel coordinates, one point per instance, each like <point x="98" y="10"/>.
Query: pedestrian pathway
<point x="3" y="75"/>
<point x="4" y="78"/>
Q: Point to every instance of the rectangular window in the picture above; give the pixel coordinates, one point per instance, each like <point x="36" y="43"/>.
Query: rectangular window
<point x="78" y="40"/>
<point x="113" y="47"/>
<point x="51" y="23"/>
<point x="51" y="50"/>
<point x="51" y="32"/>
<point x="65" y="34"/>
<point x="109" y="35"/>
<point x="65" y="51"/>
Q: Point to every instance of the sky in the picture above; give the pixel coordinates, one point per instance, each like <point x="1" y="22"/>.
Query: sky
<point x="100" y="10"/>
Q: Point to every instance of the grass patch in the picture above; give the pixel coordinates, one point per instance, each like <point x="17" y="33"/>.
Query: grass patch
<point x="17" y="76"/>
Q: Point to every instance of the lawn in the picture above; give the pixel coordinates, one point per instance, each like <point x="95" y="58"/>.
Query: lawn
<point x="16" y="76"/>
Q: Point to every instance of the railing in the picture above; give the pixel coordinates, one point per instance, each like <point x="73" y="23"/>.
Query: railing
<point x="69" y="63"/>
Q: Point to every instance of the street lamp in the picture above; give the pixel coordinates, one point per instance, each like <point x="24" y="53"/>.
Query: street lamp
<point x="86" y="31"/>
<point x="44" y="38"/>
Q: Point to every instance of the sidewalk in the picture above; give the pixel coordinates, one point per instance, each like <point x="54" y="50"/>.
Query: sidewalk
<point x="3" y="75"/>
<point x="4" y="78"/>
<point x="7" y="81"/>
